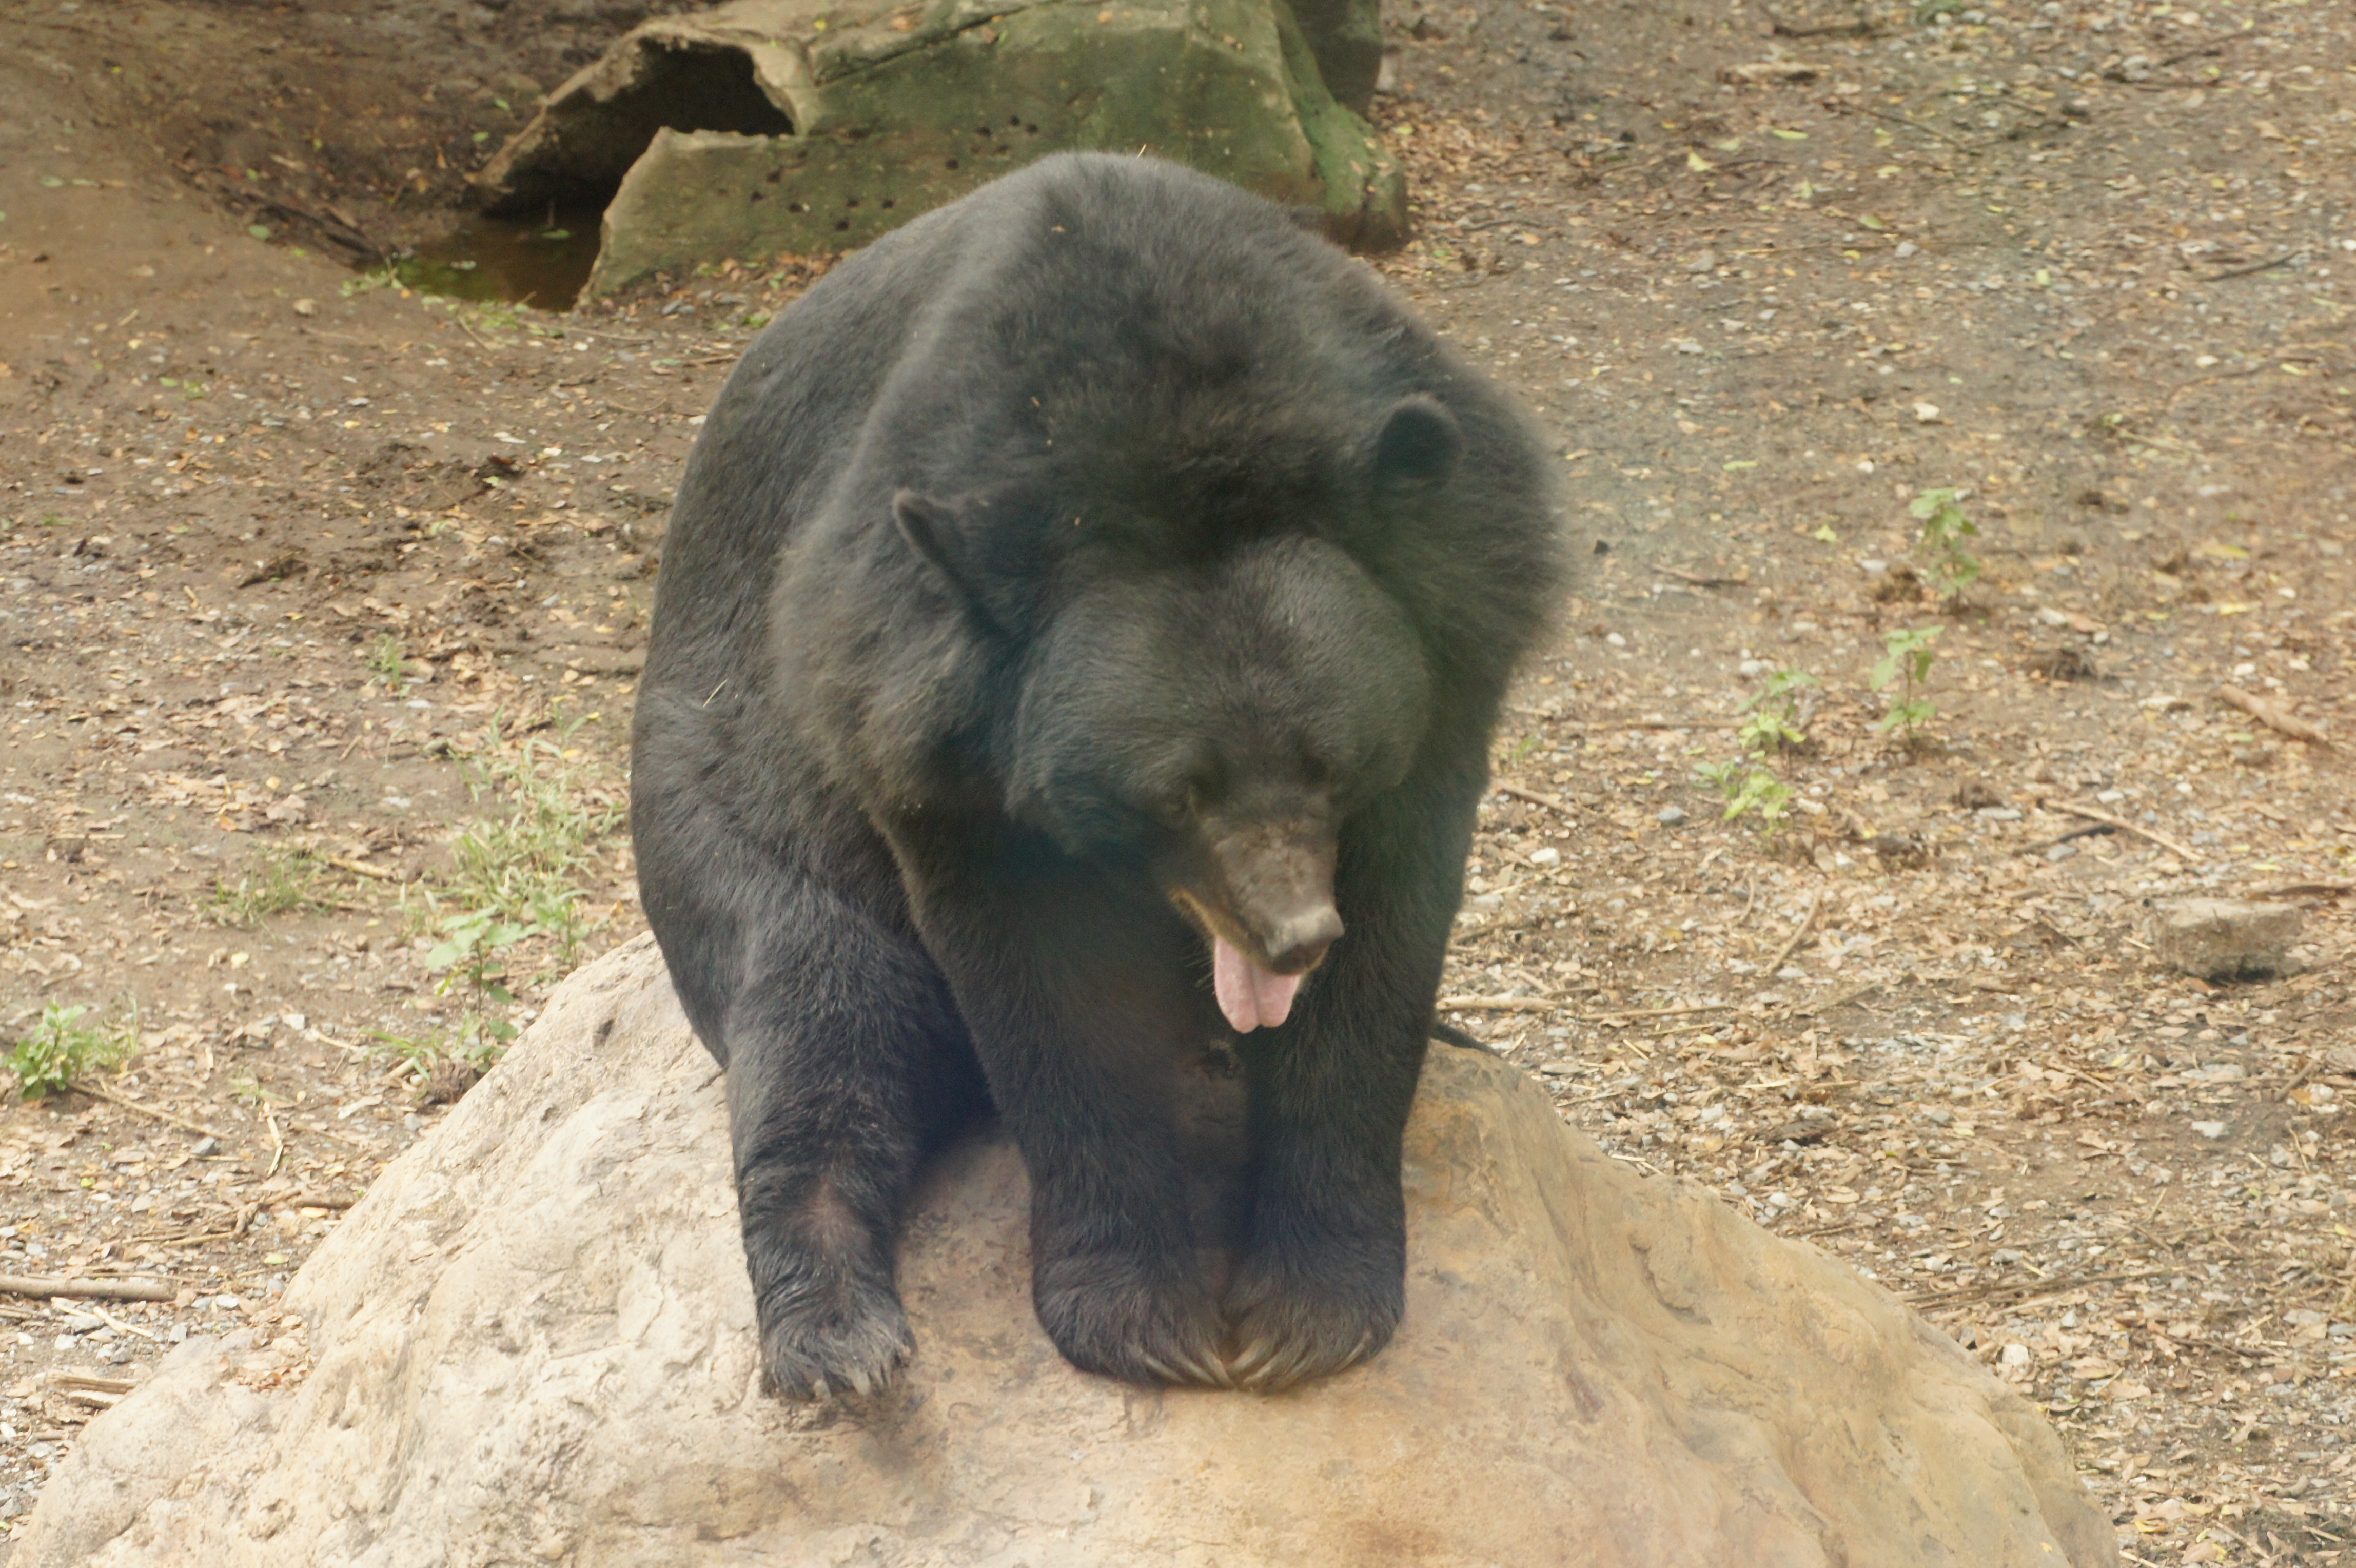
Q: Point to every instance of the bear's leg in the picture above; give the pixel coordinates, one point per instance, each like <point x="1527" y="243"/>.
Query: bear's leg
<point x="1084" y="1011"/>
<point x="845" y="1058"/>
<point x="1322" y="1279"/>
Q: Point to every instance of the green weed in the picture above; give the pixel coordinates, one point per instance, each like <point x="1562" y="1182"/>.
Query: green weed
<point x="287" y="880"/>
<point x="1906" y="663"/>
<point x="62" y="1049"/>
<point x="514" y="876"/>
<point x="388" y="660"/>
<point x="1747" y="789"/>
<point x="374" y="278"/>
<point x="477" y="1041"/>
<point x="1944" y="528"/>
<point x="1775" y="713"/>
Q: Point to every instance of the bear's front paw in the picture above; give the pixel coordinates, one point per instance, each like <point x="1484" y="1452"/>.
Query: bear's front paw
<point x="1133" y="1329"/>
<point x="1291" y="1325"/>
<point x="853" y="1346"/>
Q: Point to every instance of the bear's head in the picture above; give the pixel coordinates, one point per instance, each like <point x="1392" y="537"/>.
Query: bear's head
<point x="1217" y="723"/>
<point x="1206" y="680"/>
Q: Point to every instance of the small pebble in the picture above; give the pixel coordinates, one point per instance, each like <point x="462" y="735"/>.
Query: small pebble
<point x="1670" y="816"/>
<point x="80" y="1322"/>
<point x="2210" y="1130"/>
<point x="2016" y="1355"/>
<point x="207" y="1148"/>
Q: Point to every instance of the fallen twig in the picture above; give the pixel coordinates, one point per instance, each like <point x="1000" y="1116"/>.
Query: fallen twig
<point x="1538" y="798"/>
<point x="1859" y="28"/>
<point x="2282" y="261"/>
<point x="102" y="1290"/>
<point x="2273" y="716"/>
<point x="361" y="868"/>
<point x="2206" y="45"/>
<point x="2306" y="890"/>
<point x="2029" y="1290"/>
<point x="1496" y="1004"/>
<point x="112" y="1098"/>
<point x="1799" y="934"/>
<point x="119" y="1325"/>
<point x="1914" y="126"/>
<point x="1655" y="1013"/>
<point x="2182" y="852"/>
<point x="2089" y="831"/>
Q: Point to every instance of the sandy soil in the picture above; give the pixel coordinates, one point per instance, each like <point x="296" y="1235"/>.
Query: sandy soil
<point x="316" y="595"/>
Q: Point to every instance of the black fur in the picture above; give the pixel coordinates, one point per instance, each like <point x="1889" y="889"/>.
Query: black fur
<point x="1092" y="568"/>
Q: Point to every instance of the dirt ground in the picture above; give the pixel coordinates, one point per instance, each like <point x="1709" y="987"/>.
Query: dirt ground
<point x="322" y="602"/>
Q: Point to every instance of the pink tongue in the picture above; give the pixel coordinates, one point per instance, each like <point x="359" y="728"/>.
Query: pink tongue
<point x="1251" y="997"/>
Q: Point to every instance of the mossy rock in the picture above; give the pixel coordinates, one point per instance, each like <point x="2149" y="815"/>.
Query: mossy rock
<point x="793" y="126"/>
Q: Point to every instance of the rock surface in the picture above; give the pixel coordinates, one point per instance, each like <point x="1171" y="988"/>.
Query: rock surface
<point x="2224" y="939"/>
<point x="534" y="1341"/>
<point x="804" y="126"/>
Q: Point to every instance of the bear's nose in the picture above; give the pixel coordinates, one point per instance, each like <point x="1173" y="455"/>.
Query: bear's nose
<point x="1295" y="944"/>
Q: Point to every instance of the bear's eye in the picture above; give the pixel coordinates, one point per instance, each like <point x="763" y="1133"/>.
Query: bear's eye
<point x="1183" y="807"/>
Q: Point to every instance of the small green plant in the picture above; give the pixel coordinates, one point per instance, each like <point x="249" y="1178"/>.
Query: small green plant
<point x="469" y="953"/>
<point x="1748" y="789"/>
<point x="1774" y="720"/>
<point x="374" y="278"/>
<point x="477" y="1041"/>
<point x="1521" y="751"/>
<point x="62" y="1049"/>
<point x="1906" y="663"/>
<point x="514" y="878"/>
<point x="388" y="660"/>
<point x="287" y="880"/>
<point x="1944" y="528"/>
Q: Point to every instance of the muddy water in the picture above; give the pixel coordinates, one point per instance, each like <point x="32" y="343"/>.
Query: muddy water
<point x="541" y="261"/>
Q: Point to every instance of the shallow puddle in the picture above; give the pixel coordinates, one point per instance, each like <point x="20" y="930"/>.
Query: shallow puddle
<point x="541" y="261"/>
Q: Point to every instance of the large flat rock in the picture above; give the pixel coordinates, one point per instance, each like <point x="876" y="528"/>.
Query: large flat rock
<point x="533" y="1342"/>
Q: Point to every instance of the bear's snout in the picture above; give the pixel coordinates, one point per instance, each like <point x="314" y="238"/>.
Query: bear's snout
<point x="1297" y="942"/>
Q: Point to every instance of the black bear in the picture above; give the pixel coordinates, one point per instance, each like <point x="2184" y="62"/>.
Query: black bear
<point x="1080" y="635"/>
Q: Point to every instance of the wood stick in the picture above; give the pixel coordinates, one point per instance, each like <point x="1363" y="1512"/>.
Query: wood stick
<point x="2273" y="716"/>
<point x="1655" y="1013"/>
<point x="103" y="1290"/>
<point x="97" y="1093"/>
<point x="1537" y="798"/>
<point x="119" y="1325"/>
<point x="1496" y="1004"/>
<point x="2183" y="853"/>
<point x="361" y="868"/>
<point x="1798" y="935"/>
<point x="2027" y="1289"/>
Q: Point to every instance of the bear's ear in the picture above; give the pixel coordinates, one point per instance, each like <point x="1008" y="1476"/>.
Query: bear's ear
<point x="1419" y="445"/>
<point x="938" y="534"/>
<point x="987" y="570"/>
